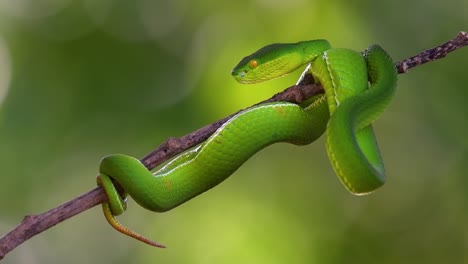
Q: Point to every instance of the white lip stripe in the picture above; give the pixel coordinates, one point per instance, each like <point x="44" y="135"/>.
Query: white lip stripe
<point x="306" y="70"/>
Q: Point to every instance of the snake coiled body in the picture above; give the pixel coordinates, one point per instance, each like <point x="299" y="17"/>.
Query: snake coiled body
<point x="358" y="87"/>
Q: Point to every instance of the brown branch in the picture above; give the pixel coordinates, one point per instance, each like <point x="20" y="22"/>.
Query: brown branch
<point x="35" y="224"/>
<point x="436" y="53"/>
<point x="293" y="94"/>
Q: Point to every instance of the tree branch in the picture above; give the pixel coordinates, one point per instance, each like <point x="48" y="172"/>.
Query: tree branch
<point x="35" y="224"/>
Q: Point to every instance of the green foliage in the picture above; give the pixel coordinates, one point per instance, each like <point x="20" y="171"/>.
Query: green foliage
<point x="83" y="79"/>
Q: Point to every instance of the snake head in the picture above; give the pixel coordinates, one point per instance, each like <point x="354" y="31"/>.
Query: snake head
<point x="269" y="62"/>
<point x="244" y="72"/>
<point x="277" y="60"/>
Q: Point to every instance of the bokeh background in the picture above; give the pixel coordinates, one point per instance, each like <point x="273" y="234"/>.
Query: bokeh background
<point x="80" y="79"/>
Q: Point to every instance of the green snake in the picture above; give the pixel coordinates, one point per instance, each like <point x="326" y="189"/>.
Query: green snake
<point x="358" y="88"/>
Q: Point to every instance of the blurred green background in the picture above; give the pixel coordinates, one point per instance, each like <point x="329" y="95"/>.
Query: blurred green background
<point x="82" y="79"/>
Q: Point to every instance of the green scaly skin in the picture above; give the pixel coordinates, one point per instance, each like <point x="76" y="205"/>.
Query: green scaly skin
<point x="214" y="160"/>
<point x="345" y="112"/>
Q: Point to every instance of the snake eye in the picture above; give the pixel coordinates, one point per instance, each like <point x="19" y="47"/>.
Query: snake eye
<point x="253" y="64"/>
